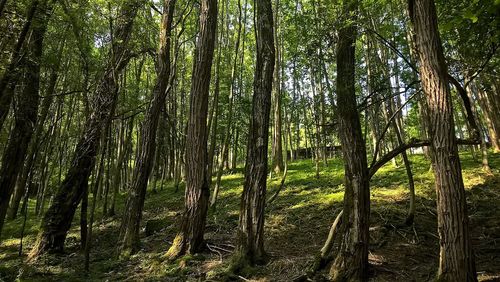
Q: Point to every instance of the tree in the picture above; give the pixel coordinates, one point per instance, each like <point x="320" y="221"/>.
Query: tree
<point x="351" y="262"/>
<point x="57" y="220"/>
<point x="250" y="248"/>
<point x="26" y="113"/>
<point x="277" y="148"/>
<point x="145" y="159"/>
<point x="456" y="261"/>
<point x="190" y="238"/>
<point x="11" y="75"/>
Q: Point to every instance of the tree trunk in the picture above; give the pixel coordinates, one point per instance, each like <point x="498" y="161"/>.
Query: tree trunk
<point x="227" y="134"/>
<point x="58" y="218"/>
<point x="456" y="261"/>
<point x="11" y="74"/>
<point x="25" y="114"/>
<point x="351" y="262"/>
<point x="129" y="231"/>
<point x="277" y="148"/>
<point x="190" y="238"/>
<point x="250" y="249"/>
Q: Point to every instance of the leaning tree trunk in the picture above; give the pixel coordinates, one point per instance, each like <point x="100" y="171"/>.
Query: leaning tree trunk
<point x="456" y="261"/>
<point x="190" y="238"/>
<point x="57" y="220"/>
<point x="129" y="231"/>
<point x="26" y="113"/>
<point x="250" y="249"/>
<point x="351" y="262"/>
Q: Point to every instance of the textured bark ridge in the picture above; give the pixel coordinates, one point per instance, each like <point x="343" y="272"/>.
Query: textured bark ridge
<point x="250" y="249"/>
<point x="190" y="238"/>
<point x="129" y="231"/>
<point x="456" y="261"/>
<point x="351" y="263"/>
<point x="57" y="220"/>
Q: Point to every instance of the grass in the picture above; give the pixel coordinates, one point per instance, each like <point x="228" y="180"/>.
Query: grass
<point x="297" y="224"/>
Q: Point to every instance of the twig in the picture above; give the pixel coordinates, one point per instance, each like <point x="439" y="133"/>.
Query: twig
<point x="215" y="251"/>
<point x="243" y="278"/>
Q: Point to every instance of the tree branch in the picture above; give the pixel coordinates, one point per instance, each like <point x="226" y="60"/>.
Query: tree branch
<point x="414" y="143"/>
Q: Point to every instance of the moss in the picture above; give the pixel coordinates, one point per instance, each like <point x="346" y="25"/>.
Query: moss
<point x="177" y="249"/>
<point x="296" y="225"/>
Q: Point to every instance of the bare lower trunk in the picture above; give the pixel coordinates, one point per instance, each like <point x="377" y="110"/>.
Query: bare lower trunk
<point x="456" y="261"/>
<point x="250" y="249"/>
<point x="190" y="238"/>
<point x="351" y="262"/>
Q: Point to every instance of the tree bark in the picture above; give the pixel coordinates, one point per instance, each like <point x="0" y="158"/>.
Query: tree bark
<point x="26" y="113"/>
<point x="456" y="261"/>
<point x="351" y="262"/>
<point x="250" y="248"/>
<point x="190" y="238"/>
<point x="57" y="220"/>
<point x="129" y="231"/>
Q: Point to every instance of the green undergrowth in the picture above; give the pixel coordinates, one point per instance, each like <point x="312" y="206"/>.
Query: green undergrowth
<point x="297" y="224"/>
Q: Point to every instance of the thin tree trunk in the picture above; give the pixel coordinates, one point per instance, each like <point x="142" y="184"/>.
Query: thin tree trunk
<point x="129" y="231"/>
<point x="11" y="74"/>
<point x="25" y="114"/>
<point x="250" y="248"/>
<point x="277" y="147"/>
<point x="227" y="133"/>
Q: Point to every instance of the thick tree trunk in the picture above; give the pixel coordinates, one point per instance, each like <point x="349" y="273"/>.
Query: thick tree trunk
<point x="351" y="262"/>
<point x="190" y="238"/>
<point x="250" y="249"/>
<point x="58" y="218"/>
<point x="129" y="231"/>
<point x="25" y="114"/>
<point x="456" y="261"/>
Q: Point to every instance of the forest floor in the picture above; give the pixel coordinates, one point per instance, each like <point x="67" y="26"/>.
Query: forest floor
<point x="297" y="224"/>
